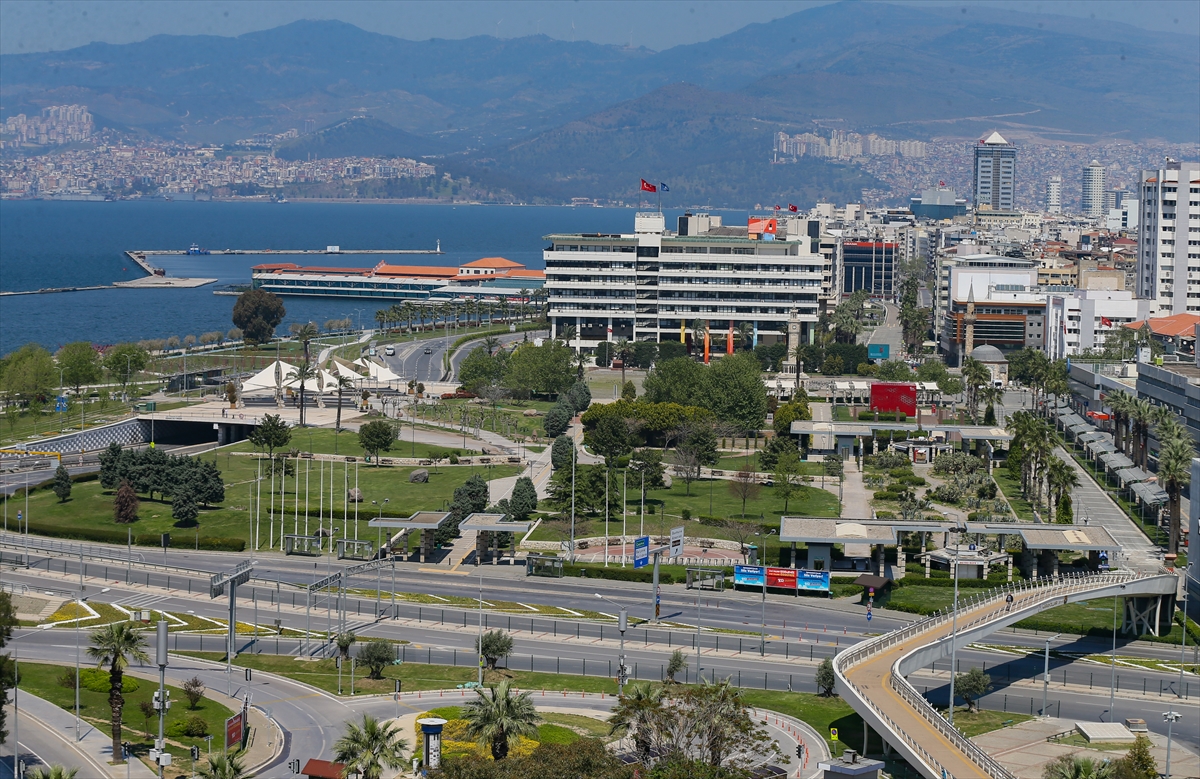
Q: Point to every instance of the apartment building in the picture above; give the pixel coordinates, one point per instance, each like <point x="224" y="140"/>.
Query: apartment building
<point x="994" y="174"/>
<point x="1083" y="319"/>
<point x="652" y="284"/>
<point x="1169" y="237"/>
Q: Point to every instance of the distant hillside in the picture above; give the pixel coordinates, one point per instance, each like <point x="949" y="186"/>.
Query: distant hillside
<point x="358" y="137"/>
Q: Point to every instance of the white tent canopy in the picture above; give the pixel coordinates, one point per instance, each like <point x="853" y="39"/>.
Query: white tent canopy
<point x="381" y="372"/>
<point x="266" y="378"/>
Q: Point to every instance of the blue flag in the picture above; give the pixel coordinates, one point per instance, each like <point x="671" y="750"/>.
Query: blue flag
<point x="663" y="187"/>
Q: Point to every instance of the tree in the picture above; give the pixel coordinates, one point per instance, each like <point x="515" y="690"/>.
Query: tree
<point x="833" y="366"/>
<point x="1174" y="473"/>
<point x="481" y="368"/>
<point x="302" y="375"/>
<point x="524" y="500"/>
<point x="29" y="374"/>
<point x="223" y="766"/>
<point x="118" y="645"/>
<point x="500" y="718"/>
<point x="270" y="434"/>
<point x="894" y="370"/>
<point x="636" y="713"/>
<point x="735" y="392"/>
<point x="558" y="419"/>
<point x="1076" y="767"/>
<point x="370" y="748"/>
<point x="561" y="452"/>
<point x="680" y="380"/>
<point x="826" y="679"/>
<point x="344" y="641"/>
<point x="796" y="409"/>
<point x="744" y="486"/>
<point x="51" y="772"/>
<point x="609" y="438"/>
<point x="341" y="384"/>
<point x="628" y="391"/>
<point x="8" y="619"/>
<point x="675" y="665"/>
<point x="257" y="313"/>
<point x="623" y="351"/>
<point x="184" y="510"/>
<point x="697" y="448"/>
<point x="375" y="437"/>
<point x="80" y="364"/>
<point x="377" y="655"/>
<point x="496" y="645"/>
<point x="1138" y="763"/>
<point x="787" y="477"/>
<point x="775" y="448"/>
<point x="972" y="686"/>
<point x="62" y="483"/>
<point x="125" y="504"/>
<point x="193" y="690"/>
<point x="542" y="370"/>
<point x="579" y="396"/>
<point x="470" y="497"/>
<point x="648" y="469"/>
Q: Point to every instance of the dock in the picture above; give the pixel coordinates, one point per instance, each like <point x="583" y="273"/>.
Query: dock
<point x="144" y="253"/>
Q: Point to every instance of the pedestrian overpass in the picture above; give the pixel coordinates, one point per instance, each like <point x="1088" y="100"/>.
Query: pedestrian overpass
<point x="871" y="676"/>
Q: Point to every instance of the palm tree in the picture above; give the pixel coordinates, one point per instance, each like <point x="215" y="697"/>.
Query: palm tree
<point x="1143" y="414"/>
<point x="635" y="713"/>
<point x="1061" y="479"/>
<point x="51" y="772"/>
<point x="371" y="748"/>
<point x="381" y="318"/>
<point x="305" y="334"/>
<point x="305" y="373"/>
<point x="117" y="644"/>
<point x="745" y="336"/>
<point x="524" y="295"/>
<point x="1075" y="767"/>
<point x="341" y="384"/>
<point x="1174" y="473"/>
<point x="622" y="351"/>
<point x="222" y="766"/>
<point x="1119" y="402"/>
<point x="991" y="396"/>
<point x="500" y="719"/>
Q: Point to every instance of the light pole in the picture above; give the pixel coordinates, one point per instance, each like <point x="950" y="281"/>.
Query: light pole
<point x="622" y="626"/>
<point x="1170" y="717"/>
<point x="1046" y="672"/>
<point x="1112" y="682"/>
<point x="954" y="623"/>
<point x="479" y="637"/>
<point x="698" y="635"/>
<point x="762" y="634"/>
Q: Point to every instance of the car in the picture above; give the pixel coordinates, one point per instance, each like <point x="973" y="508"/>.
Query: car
<point x="428" y="350"/>
<point x="390" y="351"/>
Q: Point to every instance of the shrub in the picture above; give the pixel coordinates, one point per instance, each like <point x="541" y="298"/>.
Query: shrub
<point x="193" y="690"/>
<point x="889" y="460"/>
<point x="96" y="680"/>
<point x="377" y="655"/>
<point x="192" y="726"/>
<point x="453" y="459"/>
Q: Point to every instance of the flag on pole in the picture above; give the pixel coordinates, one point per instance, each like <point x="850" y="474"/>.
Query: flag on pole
<point x="792" y="208"/>
<point x="1105" y="322"/>
<point x="777" y="207"/>
<point x="663" y="187"/>
<point x="648" y="187"/>
<point x="682" y="331"/>
<point x="729" y="340"/>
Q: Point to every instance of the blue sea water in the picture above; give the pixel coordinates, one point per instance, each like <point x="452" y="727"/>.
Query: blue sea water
<point x="58" y="244"/>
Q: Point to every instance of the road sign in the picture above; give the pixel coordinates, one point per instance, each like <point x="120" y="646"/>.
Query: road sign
<point x="833" y="734"/>
<point x="676" y="548"/>
<point x="868" y="616"/>
<point x="234" y="728"/>
<point x="641" y="551"/>
<point x="60" y="403"/>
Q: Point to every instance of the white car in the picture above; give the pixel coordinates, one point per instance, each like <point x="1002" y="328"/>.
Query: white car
<point x="390" y="351"/>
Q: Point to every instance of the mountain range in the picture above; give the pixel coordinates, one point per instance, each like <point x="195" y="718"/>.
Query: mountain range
<point x="546" y="118"/>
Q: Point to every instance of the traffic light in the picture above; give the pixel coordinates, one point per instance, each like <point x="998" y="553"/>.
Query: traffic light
<point x="800" y="751"/>
<point x="195" y="753"/>
<point x="248" y="674"/>
<point x="294" y="766"/>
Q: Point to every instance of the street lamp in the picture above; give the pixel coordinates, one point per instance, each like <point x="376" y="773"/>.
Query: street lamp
<point x="622" y="626"/>
<point x="1112" y="682"/>
<point x="954" y="623"/>
<point x="1046" y="672"/>
<point x="479" y="638"/>
<point x="1170" y="717"/>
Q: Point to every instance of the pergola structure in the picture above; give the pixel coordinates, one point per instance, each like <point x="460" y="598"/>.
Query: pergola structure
<point x="427" y="522"/>
<point x="489" y="528"/>
<point x="844" y="434"/>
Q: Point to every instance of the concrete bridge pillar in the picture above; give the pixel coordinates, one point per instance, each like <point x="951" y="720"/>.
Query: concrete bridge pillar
<point x="427" y="541"/>
<point x="795" y="563"/>
<point x="898" y="573"/>
<point x="481" y="544"/>
<point x="879" y="560"/>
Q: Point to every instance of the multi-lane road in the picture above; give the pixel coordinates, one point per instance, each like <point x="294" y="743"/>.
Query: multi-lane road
<point x="425" y="360"/>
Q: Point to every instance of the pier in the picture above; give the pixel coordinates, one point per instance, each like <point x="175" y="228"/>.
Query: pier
<point x="144" y="253"/>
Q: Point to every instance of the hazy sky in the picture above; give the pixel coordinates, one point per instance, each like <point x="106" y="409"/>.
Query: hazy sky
<point x="41" y="25"/>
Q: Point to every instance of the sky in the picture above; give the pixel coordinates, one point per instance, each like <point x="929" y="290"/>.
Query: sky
<point x="49" y="25"/>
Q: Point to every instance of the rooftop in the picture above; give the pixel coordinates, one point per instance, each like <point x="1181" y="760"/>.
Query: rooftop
<point x="1168" y="326"/>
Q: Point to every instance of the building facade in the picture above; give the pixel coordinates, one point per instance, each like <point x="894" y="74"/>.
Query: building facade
<point x="654" y="284"/>
<point x="869" y="265"/>
<point x="995" y="174"/>
<point x="1091" y="198"/>
<point x="1054" y="195"/>
<point x="1169" y="237"/>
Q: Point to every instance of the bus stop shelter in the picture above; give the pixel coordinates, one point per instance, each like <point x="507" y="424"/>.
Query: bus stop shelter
<point x="490" y="529"/>
<point x="427" y="522"/>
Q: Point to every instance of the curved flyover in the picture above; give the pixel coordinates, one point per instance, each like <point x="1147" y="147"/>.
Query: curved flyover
<point x="871" y="675"/>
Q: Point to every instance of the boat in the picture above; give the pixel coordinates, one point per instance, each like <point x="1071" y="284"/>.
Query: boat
<point x="195" y="249"/>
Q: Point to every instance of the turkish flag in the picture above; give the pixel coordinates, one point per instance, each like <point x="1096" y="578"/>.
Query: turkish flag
<point x="792" y="208"/>
<point x="1105" y="322"/>
<point x="648" y="187"/>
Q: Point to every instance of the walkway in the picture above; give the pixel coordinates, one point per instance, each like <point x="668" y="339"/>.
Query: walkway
<point x="1091" y="501"/>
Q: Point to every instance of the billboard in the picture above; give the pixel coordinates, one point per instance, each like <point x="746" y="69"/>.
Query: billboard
<point x="782" y="577"/>
<point x="761" y="225"/>
<point x="878" y="351"/>
<point x="676" y="548"/>
<point x="814" y="581"/>
<point x="750" y="575"/>
<point x="894" y="396"/>
<point x="641" y="551"/>
<point x="234" y="730"/>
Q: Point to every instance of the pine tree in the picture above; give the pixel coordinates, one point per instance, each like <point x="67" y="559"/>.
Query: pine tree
<point x="125" y="505"/>
<point x="183" y="506"/>
<point x="524" y="499"/>
<point x="62" y="483"/>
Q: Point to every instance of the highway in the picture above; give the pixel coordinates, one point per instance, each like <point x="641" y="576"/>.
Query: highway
<point x="411" y="362"/>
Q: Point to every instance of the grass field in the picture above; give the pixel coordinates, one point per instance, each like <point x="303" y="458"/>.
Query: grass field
<point x="43" y="681"/>
<point x="90" y="506"/>
<point x="326" y="441"/>
<point x="1012" y="493"/>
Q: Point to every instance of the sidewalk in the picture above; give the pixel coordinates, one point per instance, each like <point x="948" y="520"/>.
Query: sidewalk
<point x="1092" y="502"/>
<point x="95" y="744"/>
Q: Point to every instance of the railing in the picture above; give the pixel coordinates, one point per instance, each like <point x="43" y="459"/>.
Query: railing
<point x="1045" y="588"/>
<point x="94" y="551"/>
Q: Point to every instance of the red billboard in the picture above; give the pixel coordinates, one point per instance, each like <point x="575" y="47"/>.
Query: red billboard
<point x="234" y="730"/>
<point x="782" y="577"/>
<point x="894" y="396"/>
<point x="758" y="225"/>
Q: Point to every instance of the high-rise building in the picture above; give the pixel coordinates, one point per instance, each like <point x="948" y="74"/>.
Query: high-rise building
<point x="995" y="174"/>
<point x="1091" y="201"/>
<point x="1054" y="195"/>
<point x="1169" y="237"/>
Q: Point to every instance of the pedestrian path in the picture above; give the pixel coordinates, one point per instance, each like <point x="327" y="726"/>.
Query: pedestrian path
<point x="55" y="733"/>
<point x="1092" y="503"/>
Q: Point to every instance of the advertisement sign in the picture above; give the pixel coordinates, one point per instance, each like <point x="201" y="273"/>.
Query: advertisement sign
<point x="817" y="581"/>
<point x="676" y="548"/>
<point x="641" y="551"/>
<point x="760" y="225"/>
<point x="750" y="575"/>
<point x="234" y="728"/>
<point x="878" y="351"/>
<point x="782" y="577"/>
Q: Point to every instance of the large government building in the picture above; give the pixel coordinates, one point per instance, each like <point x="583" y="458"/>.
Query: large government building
<point x="654" y="284"/>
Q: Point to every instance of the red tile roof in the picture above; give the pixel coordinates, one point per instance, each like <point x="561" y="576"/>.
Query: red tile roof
<point x="322" y="769"/>
<point x="1169" y="326"/>
<point x="416" y="271"/>
<point x="493" y="262"/>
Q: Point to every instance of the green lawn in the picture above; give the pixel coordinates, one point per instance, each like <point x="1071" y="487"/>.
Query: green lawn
<point x="507" y="418"/>
<point x="740" y="461"/>
<point x="821" y="713"/>
<point x="976" y="723"/>
<point x="1012" y="493"/>
<point x="91" y="507"/>
<point x="326" y="441"/>
<point x="43" y="681"/>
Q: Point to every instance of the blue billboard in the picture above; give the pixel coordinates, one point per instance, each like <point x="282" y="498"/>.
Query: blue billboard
<point x="750" y="575"/>
<point x="641" y="551"/>
<point x="816" y="581"/>
<point x="878" y="351"/>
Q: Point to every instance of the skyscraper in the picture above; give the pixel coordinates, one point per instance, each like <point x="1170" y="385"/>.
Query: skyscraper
<point x="995" y="173"/>
<point x="1091" y="202"/>
<point x="1054" y="195"/>
<point x="1169" y="237"/>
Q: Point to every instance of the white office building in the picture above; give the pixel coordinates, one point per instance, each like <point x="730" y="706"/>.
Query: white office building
<point x="1054" y="195"/>
<point x="1168" y="269"/>
<point x="652" y="284"/>
<point x="1082" y="320"/>
<point x="1091" y="200"/>
<point x="995" y="174"/>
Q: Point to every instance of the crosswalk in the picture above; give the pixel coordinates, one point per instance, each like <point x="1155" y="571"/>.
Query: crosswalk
<point x="143" y="601"/>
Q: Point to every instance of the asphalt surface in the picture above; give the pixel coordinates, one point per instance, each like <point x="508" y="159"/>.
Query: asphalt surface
<point x="411" y="362"/>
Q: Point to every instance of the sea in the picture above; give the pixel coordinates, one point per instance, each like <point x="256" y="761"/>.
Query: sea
<point x="72" y="244"/>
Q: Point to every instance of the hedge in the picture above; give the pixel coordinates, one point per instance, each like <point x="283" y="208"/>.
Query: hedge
<point x="114" y="536"/>
<point x="618" y="574"/>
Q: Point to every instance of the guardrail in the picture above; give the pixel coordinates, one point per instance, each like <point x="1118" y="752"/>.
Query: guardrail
<point x="1046" y="589"/>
